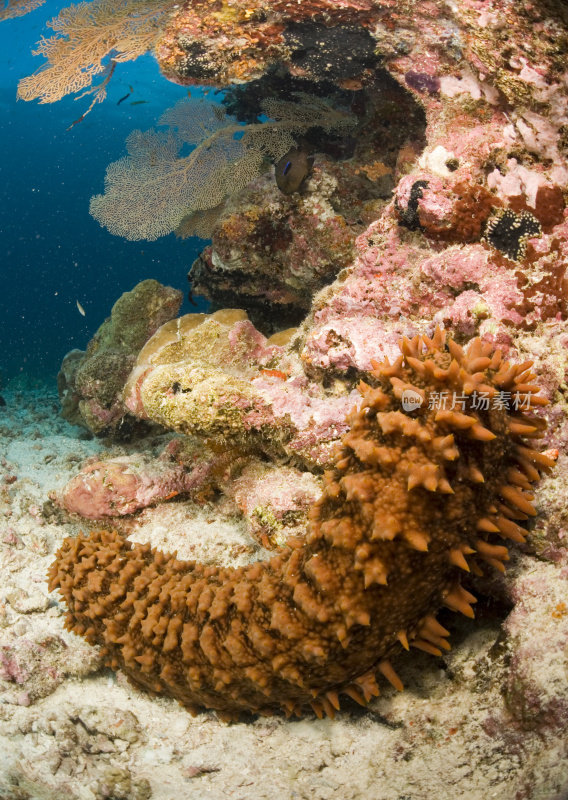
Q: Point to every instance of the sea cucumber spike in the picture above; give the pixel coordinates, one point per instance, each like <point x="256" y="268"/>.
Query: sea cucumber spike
<point x="487" y="524"/>
<point x="521" y="429"/>
<point x="327" y="707"/>
<point x="377" y="365"/>
<point x="475" y="474"/>
<point x="527" y="388"/>
<point x="406" y="347"/>
<point x="427" y="647"/>
<point x="477" y="431"/>
<point x="518" y="478"/>
<point x="386" y="669"/>
<point x="288" y="706"/>
<point x="527" y="468"/>
<point x="511" y="513"/>
<point x="416" y="364"/>
<point x="446" y="446"/>
<point x="525" y="366"/>
<point x="496" y="360"/>
<point x="423" y="475"/>
<point x="438" y="340"/>
<point x="456" y="351"/>
<point x="417" y="540"/>
<point x="431" y="624"/>
<point x="354" y="693"/>
<point x="390" y="370"/>
<point x="516" y="498"/>
<point x="505" y="377"/>
<point x="455" y="419"/>
<point x="475" y="350"/>
<point x="333" y="699"/>
<point x="317" y="708"/>
<point x="493" y="551"/>
<point x="457" y="558"/>
<point x="510" y="530"/>
<point x="459" y="599"/>
<point x="534" y="456"/>
<point x="368" y="685"/>
<point x="437" y="640"/>
<point x="478" y="364"/>
<point x="533" y="400"/>
<point x="495" y="563"/>
<point x="298" y="629"/>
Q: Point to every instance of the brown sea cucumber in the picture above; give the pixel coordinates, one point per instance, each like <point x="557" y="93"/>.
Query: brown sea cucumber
<point x="416" y="497"/>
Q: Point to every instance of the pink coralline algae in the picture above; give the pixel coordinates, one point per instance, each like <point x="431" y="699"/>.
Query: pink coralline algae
<point x="536" y="699"/>
<point x="275" y="252"/>
<point x="123" y="485"/>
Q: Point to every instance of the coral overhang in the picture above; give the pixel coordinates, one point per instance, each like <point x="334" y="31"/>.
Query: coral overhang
<point x="415" y="499"/>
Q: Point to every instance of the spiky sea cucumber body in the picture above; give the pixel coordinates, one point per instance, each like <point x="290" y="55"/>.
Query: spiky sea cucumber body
<point x="415" y="498"/>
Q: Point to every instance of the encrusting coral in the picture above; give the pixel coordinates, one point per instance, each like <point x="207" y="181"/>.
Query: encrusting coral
<point x="420" y="492"/>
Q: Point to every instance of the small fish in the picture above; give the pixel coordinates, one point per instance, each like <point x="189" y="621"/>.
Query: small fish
<point x="122" y="99"/>
<point x="293" y="168"/>
<point x="80" y="308"/>
<point x="138" y="102"/>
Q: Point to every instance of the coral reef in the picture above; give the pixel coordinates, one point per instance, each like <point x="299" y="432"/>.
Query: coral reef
<point x="217" y="377"/>
<point x="202" y="45"/>
<point x="276" y="251"/>
<point x="447" y="206"/>
<point x="151" y="190"/>
<point x="90" y="384"/>
<point x="123" y="485"/>
<point x="495" y="152"/>
<point x="412" y="494"/>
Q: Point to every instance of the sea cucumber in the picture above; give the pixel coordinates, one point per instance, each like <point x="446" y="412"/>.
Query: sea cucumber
<point x="419" y="494"/>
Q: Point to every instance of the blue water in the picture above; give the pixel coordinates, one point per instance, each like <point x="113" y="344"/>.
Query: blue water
<point x="53" y="253"/>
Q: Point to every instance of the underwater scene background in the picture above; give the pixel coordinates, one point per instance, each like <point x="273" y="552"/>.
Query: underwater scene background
<point x="283" y="400"/>
<point x="55" y="253"/>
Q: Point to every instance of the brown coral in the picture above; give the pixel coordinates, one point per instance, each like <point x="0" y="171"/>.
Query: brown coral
<point x="415" y="497"/>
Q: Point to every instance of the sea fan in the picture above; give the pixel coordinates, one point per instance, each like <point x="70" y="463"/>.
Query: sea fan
<point x="152" y="189"/>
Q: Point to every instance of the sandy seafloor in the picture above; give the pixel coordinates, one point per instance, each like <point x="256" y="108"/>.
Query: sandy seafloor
<point x="71" y="729"/>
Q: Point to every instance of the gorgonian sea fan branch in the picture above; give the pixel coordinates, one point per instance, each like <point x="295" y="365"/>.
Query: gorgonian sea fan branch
<point x="150" y="191"/>
<point x="86" y="34"/>
<point x="17" y="8"/>
<point x="415" y="499"/>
